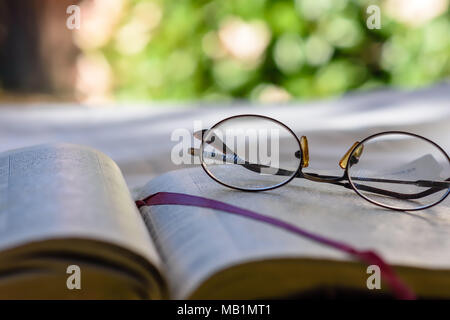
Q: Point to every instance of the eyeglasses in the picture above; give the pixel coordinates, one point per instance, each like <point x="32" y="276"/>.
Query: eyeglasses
<point x="394" y="169"/>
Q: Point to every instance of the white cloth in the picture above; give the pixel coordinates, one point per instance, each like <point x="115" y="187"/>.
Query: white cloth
<point x="138" y="137"/>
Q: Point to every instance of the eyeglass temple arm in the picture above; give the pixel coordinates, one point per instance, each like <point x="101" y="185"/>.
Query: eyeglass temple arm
<point x="350" y="155"/>
<point x="214" y="141"/>
<point x="435" y="186"/>
<point x="419" y="183"/>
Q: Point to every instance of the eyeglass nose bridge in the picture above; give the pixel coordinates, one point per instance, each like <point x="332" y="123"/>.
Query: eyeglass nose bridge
<point x="303" y="154"/>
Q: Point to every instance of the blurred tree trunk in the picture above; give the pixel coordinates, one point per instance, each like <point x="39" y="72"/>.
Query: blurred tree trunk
<point x="37" y="53"/>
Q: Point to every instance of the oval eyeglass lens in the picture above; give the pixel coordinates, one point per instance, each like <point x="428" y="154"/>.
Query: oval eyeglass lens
<point x="400" y="171"/>
<point x="250" y="153"/>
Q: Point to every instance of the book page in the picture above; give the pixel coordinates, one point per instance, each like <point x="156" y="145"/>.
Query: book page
<point x="63" y="191"/>
<point x="197" y="242"/>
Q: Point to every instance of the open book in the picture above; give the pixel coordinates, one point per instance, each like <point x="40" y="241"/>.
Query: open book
<point x="63" y="205"/>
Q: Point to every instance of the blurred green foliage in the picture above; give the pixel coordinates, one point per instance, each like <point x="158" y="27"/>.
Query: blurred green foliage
<point x="268" y="50"/>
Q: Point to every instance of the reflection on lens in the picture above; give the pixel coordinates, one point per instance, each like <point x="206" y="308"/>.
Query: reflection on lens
<point x="250" y="153"/>
<point x="400" y="171"/>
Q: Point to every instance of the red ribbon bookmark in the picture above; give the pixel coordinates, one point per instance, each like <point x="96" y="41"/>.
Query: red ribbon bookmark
<point x="399" y="289"/>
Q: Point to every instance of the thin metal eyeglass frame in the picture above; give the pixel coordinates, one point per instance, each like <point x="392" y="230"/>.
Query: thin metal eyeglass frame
<point x="345" y="180"/>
